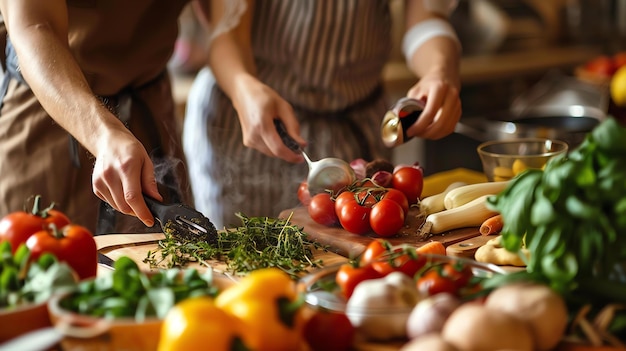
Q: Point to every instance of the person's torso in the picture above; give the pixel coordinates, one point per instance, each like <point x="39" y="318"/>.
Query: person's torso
<point x="120" y="43"/>
<point x="323" y="55"/>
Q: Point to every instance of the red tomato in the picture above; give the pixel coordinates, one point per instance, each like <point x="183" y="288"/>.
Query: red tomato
<point x="459" y="273"/>
<point x="343" y="198"/>
<point x="410" y="181"/>
<point x="322" y="209"/>
<point x="374" y="250"/>
<point x="18" y="226"/>
<point x="386" y="218"/>
<point x="432" y="282"/>
<point x="72" y="244"/>
<point x="401" y="261"/>
<point x="303" y="193"/>
<point x="601" y="65"/>
<point x="367" y="198"/>
<point x="354" y="217"/>
<point x="329" y="331"/>
<point x="348" y="277"/>
<point x="397" y="196"/>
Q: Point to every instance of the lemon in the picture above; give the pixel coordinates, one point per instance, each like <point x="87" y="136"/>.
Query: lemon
<point x="618" y="87"/>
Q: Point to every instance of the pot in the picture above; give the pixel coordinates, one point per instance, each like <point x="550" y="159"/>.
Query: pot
<point x="567" y="123"/>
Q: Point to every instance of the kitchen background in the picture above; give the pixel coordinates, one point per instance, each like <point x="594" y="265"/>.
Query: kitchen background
<point x="516" y="53"/>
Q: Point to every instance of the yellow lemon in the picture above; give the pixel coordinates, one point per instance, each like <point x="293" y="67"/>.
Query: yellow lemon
<point x="618" y="87"/>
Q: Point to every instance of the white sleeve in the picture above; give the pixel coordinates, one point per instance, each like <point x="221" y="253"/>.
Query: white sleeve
<point x="421" y="32"/>
<point x="233" y="9"/>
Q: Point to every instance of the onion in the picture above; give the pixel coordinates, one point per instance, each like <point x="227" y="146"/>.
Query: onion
<point x="359" y="166"/>
<point x="382" y="178"/>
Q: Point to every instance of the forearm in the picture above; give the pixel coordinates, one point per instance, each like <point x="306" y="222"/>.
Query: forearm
<point x="430" y="43"/>
<point x="58" y="83"/>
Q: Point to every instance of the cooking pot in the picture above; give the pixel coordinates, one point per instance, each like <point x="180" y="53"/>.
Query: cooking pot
<point x="566" y="123"/>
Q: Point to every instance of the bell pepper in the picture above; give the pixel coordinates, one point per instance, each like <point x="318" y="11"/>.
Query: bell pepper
<point x="268" y="303"/>
<point x="195" y="323"/>
<point x="379" y="308"/>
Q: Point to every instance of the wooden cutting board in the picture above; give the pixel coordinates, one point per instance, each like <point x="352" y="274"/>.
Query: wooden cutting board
<point x="351" y="245"/>
<point x="136" y="246"/>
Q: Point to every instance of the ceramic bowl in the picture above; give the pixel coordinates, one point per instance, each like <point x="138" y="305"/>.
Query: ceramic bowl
<point x="504" y="159"/>
<point x="20" y="320"/>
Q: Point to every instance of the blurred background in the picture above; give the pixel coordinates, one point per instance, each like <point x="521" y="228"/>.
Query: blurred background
<point x="522" y="73"/>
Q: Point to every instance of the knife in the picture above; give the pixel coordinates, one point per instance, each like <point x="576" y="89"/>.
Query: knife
<point x="106" y="260"/>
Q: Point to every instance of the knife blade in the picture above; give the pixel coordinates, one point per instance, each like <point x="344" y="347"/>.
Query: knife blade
<point x="106" y="260"/>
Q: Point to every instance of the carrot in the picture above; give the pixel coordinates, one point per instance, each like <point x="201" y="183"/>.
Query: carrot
<point x="432" y="247"/>
<point x="492" y="225"/>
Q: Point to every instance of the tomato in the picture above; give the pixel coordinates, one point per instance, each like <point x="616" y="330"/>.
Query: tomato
<point x="72" y="244"/>
<point x="303" y="193"/>
<point x="17" y="227"/>
<point x="322" y="209"/>
<point x="601" y="65"/>
<point x="458" y="272"/>
<point x="367" y="198"/>
<point x="349" y="276"/>
<point x="397" y="196"/>
<point x="410" y="181"/>
<point x="432" y="282"/>
<point x="329" y="331"/>
<point x="374" y="250"/>
<point x="343" y="198"/>
<point x="401" y="260"/>
<point x="354" y="217"/>
<point x="386" y="218"/>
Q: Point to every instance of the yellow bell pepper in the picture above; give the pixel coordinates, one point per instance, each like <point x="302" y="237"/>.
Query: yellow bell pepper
<point x="267" y="302"/>
<point x="198" y="324"/>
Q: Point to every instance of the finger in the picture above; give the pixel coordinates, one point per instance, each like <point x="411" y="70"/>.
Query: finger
<point x="446" y="119"/>
<point x="148" y="186"/>
<point x="434" y="101"/>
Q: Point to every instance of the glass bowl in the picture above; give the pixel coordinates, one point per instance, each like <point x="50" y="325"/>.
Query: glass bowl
<point x="322" y="292"/>
<point x="504" y="159"/>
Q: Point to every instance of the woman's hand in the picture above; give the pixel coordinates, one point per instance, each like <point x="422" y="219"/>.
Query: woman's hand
<point x="257" y="106"/>
<point x="123" y="172"/>
<point x="443" y="106"/>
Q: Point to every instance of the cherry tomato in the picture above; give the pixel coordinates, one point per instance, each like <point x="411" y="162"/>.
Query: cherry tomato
<point x="459" y="273"/>
<point x="601" y="65"/>
<point x="386" y="218"/>
<point x="401" y="260"/>
<point x="410" y="181"/>
<point x="329" y="331"/>
<point x="343" y="198"/>
<point x="367" y="198"/>
<point x="397" y="196"/>
<point x="72" y="244"/>
<point x="349" y="276"/>
<point x="432" y="282"/>
<point x="354" y="217"/>
<point x="374" y="250"/>
<point x="322" y="209"/>
<point x="17" y="227"/>
<point x="303" y="193"/>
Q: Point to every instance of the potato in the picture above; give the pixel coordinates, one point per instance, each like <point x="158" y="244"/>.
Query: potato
<point x="539" y="306"/>
<point x="474" y="327"/>
<point x="429" y="342"/>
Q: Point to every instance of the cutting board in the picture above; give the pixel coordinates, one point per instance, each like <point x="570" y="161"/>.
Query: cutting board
<point x="351" y="245"/>
<point x="136" y="246"/>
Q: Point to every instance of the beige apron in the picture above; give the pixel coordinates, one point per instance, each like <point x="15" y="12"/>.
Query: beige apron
<point x="126" y="67"/>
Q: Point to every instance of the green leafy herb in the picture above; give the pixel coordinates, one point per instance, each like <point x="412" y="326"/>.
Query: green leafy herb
<point x="571" y="217"/>
<point x="260" y="242"/>
<point x="130" y="292"/>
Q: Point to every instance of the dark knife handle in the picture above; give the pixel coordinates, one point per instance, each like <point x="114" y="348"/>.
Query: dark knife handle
<point x="285" y="137"/>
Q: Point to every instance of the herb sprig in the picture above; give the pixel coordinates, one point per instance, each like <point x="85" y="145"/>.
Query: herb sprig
<point x="260" y="242"/>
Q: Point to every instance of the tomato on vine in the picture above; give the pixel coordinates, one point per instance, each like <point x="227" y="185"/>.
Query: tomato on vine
<point x="72" y="244"/>
<point x="410" y="181"/>
<point x="386" y="218"/>
<point x="350" y="275"/>
<point x="17" y="227"/>
<point x="322" y="209"/>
